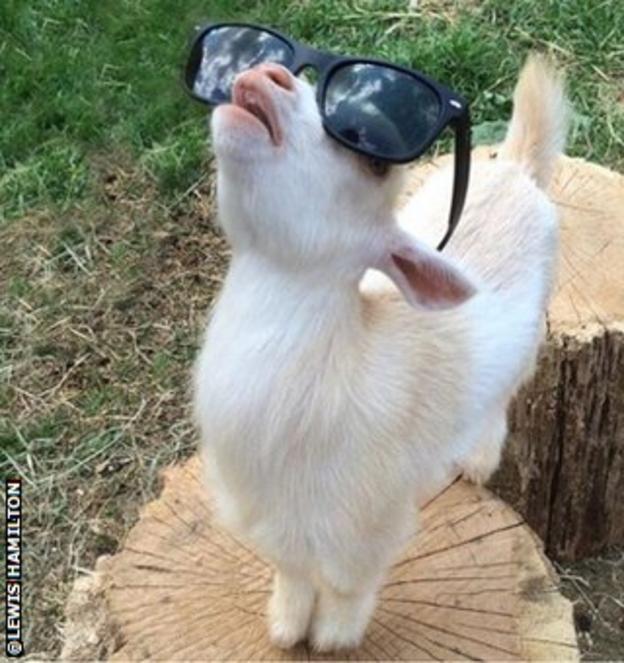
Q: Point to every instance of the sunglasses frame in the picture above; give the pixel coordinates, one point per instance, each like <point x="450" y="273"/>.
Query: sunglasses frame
<point x="454" y="111"/>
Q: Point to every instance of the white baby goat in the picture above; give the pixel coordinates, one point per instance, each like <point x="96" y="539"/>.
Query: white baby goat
<point x="327" y="405"/>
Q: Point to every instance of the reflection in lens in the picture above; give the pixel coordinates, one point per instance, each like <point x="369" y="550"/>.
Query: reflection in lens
<point x="381" y="110"/>
<point x="227" y="51"/>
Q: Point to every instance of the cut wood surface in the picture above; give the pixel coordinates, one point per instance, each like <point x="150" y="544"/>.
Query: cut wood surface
<point x="473" y="584"/>
<point x="563" y="467"/>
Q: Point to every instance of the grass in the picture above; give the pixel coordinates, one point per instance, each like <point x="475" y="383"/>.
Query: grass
<point x="109" y="255"/>
<point x="85" y="79"/>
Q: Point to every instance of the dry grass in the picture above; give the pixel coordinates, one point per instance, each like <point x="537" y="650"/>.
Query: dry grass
<point x="100" y="327"/>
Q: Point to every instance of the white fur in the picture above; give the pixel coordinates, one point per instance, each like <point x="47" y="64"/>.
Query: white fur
<point x="327" y="405"/>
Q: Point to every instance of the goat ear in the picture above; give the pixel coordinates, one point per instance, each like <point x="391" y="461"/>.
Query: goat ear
<point x="426" y="279"/>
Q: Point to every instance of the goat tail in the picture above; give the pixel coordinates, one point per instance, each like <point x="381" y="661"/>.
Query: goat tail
<point x="538" y="127"/>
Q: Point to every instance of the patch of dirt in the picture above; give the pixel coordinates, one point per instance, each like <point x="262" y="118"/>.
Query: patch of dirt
<point x="596" y="589"/>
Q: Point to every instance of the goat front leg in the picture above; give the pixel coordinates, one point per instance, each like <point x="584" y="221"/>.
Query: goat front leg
<point x="340" y="619"/>
<point x="290" y="608"/>
<point x="347" y="593"/>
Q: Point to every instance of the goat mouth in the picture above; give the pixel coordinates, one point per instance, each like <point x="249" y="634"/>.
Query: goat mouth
<point x="256" y="101"/>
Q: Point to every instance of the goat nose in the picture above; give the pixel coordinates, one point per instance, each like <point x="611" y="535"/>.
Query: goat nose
<point x="278" y="74"/>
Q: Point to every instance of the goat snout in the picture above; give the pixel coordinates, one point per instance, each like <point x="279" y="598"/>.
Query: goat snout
<point x="257" y="92"/>
<point x="277" y="74"/>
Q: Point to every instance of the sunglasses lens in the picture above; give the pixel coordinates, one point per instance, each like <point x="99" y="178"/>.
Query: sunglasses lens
<point x="226" y="51"/>
<point x="380" y="110"/>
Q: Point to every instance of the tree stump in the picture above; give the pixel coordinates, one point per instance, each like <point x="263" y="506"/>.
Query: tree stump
<point x="563" y="467"/>
<point x="473" y="584"/>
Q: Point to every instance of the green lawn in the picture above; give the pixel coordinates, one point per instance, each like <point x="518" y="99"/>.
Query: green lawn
<point x="88" y="79"/>
<point x="109" y="257"/>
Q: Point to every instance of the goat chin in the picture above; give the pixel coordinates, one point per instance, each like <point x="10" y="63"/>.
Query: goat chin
<point x="328" y="406"/>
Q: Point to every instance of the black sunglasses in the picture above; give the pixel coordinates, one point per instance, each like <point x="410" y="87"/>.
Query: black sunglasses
<point x="372" y="107"/>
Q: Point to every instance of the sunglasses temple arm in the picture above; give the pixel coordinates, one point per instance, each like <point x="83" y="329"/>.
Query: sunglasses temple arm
<point x="461" y="174"/>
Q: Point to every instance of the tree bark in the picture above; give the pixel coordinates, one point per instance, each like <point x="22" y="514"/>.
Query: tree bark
<point x="564" y="462"/>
